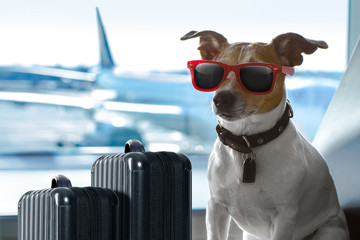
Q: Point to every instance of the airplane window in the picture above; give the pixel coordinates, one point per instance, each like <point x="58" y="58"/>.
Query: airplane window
<point x="78" y="80"/>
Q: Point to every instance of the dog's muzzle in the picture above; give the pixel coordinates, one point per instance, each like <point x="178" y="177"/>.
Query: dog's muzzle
<point x="229" y="106"/>
<point x="224" y="100"/>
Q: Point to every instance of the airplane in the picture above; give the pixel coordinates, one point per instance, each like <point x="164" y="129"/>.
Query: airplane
<point x="146" y="105"/>
<point x="157" y="101"/>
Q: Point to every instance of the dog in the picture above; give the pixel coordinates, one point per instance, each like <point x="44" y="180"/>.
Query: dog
<point x="262" y="172"/>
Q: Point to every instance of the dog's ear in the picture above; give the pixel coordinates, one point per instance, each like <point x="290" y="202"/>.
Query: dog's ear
<point x="289" y="47"/>
<point x="211" y="43"/>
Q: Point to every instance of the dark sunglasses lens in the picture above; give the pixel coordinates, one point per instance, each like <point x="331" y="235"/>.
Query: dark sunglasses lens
<point x="208" y="75"/>
<point x="257" y="78"/>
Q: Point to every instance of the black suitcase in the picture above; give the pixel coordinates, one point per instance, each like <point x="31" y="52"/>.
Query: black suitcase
<point x="68" y="213"/>
<point x="154" y="191"/>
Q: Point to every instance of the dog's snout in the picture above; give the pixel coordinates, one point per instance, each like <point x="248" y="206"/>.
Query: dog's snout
<point x="224" y="100"/>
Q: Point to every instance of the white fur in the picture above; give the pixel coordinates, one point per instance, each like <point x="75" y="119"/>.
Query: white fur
<point x="293" y="196"/>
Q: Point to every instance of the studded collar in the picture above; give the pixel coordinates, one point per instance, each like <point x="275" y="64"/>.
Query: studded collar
<point x="245" y="143"/>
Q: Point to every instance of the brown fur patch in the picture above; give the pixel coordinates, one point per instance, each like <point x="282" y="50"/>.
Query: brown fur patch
<point x="238" y="53"/>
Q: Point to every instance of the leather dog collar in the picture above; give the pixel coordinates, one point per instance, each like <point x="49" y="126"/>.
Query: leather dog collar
<point x="244" y="143"/>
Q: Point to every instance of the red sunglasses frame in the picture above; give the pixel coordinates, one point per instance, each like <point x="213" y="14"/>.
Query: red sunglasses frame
<point x="276" y="69"/>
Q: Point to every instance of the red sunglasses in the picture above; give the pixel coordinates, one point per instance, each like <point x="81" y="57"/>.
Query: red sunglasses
<point x="255" y="78"/>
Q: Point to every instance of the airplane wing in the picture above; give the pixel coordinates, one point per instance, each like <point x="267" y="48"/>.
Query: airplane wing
<point x="49" y="71"/>
<point x="85" y="102"/>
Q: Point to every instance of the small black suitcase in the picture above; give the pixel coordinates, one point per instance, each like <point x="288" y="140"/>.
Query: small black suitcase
<point x="68" y="213"/>
<point x="154" y="190"/>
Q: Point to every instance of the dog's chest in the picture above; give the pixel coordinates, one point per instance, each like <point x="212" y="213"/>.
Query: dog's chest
<point x="249" y="204"/>
<point x="225" y="177"/>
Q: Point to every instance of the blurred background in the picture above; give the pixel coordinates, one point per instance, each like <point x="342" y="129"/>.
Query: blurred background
<point x="80" y="78"/>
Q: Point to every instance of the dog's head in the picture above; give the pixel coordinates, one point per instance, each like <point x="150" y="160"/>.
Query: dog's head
<point x="231" y="102"/>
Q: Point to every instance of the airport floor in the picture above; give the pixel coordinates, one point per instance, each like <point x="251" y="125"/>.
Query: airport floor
<point x="8" y="227"/>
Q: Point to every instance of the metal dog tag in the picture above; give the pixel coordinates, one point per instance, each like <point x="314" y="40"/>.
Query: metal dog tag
<point x="249" y="169"/>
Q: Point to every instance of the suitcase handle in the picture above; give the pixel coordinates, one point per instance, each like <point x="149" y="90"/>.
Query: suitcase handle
<point x="134" y="146"/>
<point x="60" y="181"/>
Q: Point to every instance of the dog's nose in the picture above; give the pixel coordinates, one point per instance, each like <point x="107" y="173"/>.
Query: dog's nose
<point x="224" y="100"/>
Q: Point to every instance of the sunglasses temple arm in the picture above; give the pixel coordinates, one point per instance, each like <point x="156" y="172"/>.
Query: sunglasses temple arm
<point x="288" y="70"/>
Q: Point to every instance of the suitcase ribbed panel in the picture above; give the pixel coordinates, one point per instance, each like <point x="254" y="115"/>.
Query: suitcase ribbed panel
<point x="34" y="216"/>
<point x="106" y="173"/>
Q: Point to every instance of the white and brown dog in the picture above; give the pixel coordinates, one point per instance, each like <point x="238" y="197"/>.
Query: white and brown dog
<point x="262" y="172"/>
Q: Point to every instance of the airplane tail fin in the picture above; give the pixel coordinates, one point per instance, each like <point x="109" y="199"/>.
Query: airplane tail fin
<point x="106" y="60"/>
